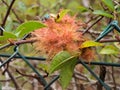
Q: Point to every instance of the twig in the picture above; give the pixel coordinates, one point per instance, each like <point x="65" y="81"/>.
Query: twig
<point x="81" y="76"/>
<point x="12" y="78"/>
<point x="31" y="76"/>
<point x="24" y="83"/>
<point x="109" y="40"/>
<point x="34" y="40"/>
<point x="13" y="11"/>
<point x="6" y="68"/>
<point x="92" y="25"/>
<point x="95" y="32"/>
<point x="113" y="77"/>
<point x="18" y="43"/>
<point x="7" y="13"/>
<point x="92" y="18"/>
<point x="8" y="80"/>
<point x="102" y="77"/>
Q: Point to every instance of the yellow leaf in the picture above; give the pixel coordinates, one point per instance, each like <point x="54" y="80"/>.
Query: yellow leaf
<point x="90" y="44"/>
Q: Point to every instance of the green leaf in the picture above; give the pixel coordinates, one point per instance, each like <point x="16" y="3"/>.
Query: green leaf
<point x="109" y="4"/>
<point x="28" y="27"/>
<point x="45" y="67"/>
<point x="62" y="14"/>
<point x="82" y="9"/>
<point x="67" y="72"/>
<point x="117" y="44"/>
<point x="57" y="60"/>
<point x="110" y="49"/>
<point x="90" y="44"/>
<point x="64" y="62"/>
<point x="8" y="35"/>
<point x="103" y="13"/>
<point x="32" y="10"/>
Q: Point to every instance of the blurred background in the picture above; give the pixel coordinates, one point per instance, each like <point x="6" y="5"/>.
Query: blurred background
<point x="25" y="10"/>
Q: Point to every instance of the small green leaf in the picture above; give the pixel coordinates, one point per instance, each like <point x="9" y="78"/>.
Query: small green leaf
<point x="57" y="60"/>
<point x="62" y="14"/>
<point x="90" y="44"/>
<point x="82" y="9"/>
<point x="103" y="13"/>
<point x="63" y="63"/>
<point x="117" y="44"/>
<point x="109" y="4"/>
<point x="32" y="10"/>
<point x="8" y="35"/>
<point x="45" y="67"/>
<point x="110" y="50"/>
<point x="28" y="27"/>
<point x="67" y="72"/>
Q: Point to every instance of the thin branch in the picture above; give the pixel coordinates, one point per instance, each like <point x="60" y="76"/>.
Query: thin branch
<point x="31" y="76"/>
<point x="109" y="40"/>
<point x="17" y="43"/>
<point x="102" y="77"/>
<point x="24" y="83"/>
<point x="9" y="80"/>
<point x="7" y="14"/>
<point x="113" y="77"/>
<point x="13" y="11"/>
<point x="92" y="18"/>
<point x="34" y="40"/>
<point x="95" y="32"/>
<point x="12" y="78"/>
<point x="92" y="25"/>
<point x="81" y="76"/>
